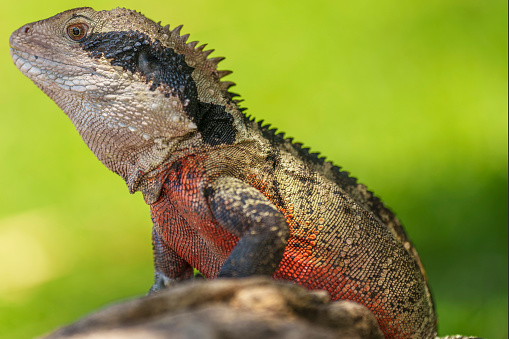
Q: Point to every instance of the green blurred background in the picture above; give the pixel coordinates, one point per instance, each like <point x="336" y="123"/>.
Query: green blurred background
<point x="409" y="96"/>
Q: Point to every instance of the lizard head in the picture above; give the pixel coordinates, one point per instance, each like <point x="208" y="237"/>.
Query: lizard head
<point x="132" y="88"/>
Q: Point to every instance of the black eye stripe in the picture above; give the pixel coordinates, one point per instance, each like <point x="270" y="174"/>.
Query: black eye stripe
<point x="160" y="65"/>
<point x="137" y="53"/>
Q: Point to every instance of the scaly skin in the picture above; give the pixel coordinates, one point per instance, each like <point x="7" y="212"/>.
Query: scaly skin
<point x="228" y="196"/>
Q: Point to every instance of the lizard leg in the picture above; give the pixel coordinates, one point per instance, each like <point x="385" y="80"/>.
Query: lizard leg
<point x="169" y="267"/>
<point x="246" y="212"/>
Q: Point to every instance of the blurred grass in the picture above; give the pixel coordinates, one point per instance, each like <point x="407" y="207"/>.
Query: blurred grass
<point x="410" y="97"/>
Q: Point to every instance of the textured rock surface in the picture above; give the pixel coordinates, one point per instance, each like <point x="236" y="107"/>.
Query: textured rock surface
<point x="230" y="308"/>
<point x="249" y="308"/>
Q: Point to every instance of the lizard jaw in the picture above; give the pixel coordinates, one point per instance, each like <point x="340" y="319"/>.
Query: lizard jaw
<point x="39" y="70"/>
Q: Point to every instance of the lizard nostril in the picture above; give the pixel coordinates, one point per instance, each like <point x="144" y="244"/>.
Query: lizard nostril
<point x="27" y="29"/>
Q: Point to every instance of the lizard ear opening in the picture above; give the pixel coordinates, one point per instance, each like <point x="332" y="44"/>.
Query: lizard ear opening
<point x="147" y="63"/>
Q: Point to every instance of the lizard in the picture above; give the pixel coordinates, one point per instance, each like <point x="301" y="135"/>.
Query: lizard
<point x="228" y="195"/>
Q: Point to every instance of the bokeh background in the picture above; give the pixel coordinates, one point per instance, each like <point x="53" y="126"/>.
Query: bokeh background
<point x="409" y="96"/>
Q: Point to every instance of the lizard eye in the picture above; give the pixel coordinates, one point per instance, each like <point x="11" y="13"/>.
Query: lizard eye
<point x="77" y="31"/>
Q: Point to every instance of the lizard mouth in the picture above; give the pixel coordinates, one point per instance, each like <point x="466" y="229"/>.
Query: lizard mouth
<point x="25" y="62"/>
<point x="48" y="73"/>
<point x="32" y="65"/>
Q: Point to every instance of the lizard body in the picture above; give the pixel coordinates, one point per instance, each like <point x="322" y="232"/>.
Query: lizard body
<point x="228" y="196"/>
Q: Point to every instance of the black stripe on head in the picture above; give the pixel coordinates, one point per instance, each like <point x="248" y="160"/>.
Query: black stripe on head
<point x="167" y="70"/>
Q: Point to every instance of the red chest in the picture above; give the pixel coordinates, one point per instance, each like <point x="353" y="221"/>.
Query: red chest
<point x="184" y="221"/>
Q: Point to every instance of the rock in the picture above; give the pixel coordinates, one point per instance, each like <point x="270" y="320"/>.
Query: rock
<point x="229" y="308"/>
